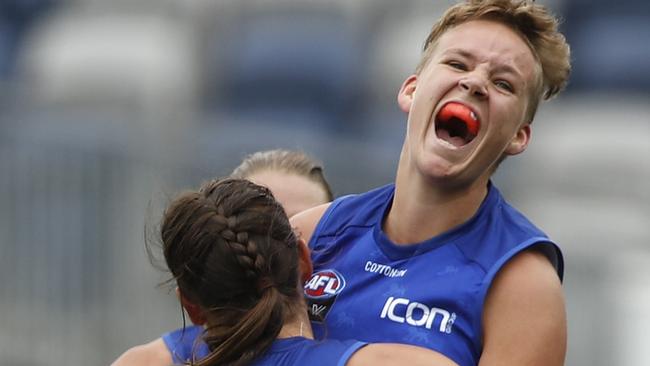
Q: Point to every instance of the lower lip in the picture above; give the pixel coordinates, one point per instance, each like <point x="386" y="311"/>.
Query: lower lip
<point x="448" y="144"/>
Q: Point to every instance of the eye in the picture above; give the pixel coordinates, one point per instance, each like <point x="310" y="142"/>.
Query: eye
<point x="457" y="65"/>
<point x="502" y="84"/>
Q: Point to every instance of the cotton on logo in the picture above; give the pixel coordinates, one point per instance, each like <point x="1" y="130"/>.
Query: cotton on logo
<point x="402" y="310"/>
<point x="324" y="284"/>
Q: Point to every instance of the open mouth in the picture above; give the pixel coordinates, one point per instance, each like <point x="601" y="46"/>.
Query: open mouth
<point x="457" y="124"/>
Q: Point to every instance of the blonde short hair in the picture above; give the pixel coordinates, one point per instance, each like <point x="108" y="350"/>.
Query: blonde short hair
<point x="537" y="27"/>
<point x="286" y="161"/>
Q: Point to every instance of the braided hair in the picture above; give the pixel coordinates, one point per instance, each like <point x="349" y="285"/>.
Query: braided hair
<point x="231" y="250"/>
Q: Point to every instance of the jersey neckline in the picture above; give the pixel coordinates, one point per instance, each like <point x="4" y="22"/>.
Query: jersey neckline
<point x="404" y="251"/>
<point x="284" y="344"/>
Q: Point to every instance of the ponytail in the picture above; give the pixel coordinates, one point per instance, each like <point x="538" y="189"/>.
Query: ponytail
<point x="242" y="342"/>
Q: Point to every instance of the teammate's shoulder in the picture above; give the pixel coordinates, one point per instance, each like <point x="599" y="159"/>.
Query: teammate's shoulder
<point x="154" y="353"/>
<point x="354" y="209"/>
<point x="374" y="197"/>
<point x="304" y="223"/>
<point x="362" y="209"/>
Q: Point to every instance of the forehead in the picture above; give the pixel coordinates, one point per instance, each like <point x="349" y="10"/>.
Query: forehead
<point x="294" y="192"/>
<point x="487" y="41"/>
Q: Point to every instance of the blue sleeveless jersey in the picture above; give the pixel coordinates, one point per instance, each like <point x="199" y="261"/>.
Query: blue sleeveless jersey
<point x="287" y="351"/>
<point x="185" y="344"/>
<point x="429" y="294"/>
<point x="300" y="351"/>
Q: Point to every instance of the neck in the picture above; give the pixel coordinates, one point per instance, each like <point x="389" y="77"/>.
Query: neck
<point x="298" y="325"/>
<point x="422" y="210"/>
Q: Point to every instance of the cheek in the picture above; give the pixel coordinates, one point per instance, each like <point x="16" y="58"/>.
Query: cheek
<point x="512" y="114"/>
<point x="421" y="112"/>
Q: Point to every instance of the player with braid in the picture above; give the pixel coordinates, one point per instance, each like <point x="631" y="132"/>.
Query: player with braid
<point x="439" y="259"/>
<point x="239" y="268"/>
<point x="298" y="183"/>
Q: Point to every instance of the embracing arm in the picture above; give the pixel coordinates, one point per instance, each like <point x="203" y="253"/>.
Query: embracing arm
<point x="154" y="353"/>
<point x="524" y="318"/>
<point x="391" y="354"/>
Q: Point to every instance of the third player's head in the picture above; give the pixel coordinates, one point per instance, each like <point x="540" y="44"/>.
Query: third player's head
<point x="485" y="67"/>
<point x="296" y="180"/>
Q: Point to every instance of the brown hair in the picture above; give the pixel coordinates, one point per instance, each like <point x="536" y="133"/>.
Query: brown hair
<point x="232" y="251"/>
<point x="294" y="162"/>
<point x="533" y="22"/>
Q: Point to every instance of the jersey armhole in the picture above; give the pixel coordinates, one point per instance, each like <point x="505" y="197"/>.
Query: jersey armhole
<point x="546" y="247"/>
<point x="550" y="250"/>
<point x="349" y="352"/>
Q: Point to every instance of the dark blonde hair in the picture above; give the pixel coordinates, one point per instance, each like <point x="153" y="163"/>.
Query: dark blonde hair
<point x="287" y="161"/>
<point x="537" y="27"/>
<point x="232" y="251"/>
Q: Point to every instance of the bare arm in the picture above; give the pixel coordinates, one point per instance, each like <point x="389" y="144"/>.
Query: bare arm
<point x="391" y="354"/>
<point x="154" y="353"/>
<point x="304" y="223"/>
<point x="524" y="318"/>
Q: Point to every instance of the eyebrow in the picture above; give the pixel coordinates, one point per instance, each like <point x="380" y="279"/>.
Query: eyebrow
<point x="501" y="68"/>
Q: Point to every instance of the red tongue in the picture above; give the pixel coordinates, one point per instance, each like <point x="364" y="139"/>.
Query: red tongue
<point x="461" y="112"/>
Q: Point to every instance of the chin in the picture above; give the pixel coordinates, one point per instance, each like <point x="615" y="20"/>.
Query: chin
<point x="437" y="169"/>
<point x="443" y="174"/>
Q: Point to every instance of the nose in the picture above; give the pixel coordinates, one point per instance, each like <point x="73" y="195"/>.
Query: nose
<point x="473" y="85"/>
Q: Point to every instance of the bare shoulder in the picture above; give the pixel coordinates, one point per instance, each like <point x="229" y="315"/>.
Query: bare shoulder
<point x="304" y="223"/>
<point x="154" y="353"/>
<point x="389" y="354"/>
<point x="524" y="317"/>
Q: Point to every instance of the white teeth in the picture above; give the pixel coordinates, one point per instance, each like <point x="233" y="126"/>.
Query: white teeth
<point x="473" y="115"/>
<point x="447" y="144"/>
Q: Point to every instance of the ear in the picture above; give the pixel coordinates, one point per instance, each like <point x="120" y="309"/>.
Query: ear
<point x="194" y="311"/>
<point x="406" y="93"/>
<point x="305" y="265"/>
<point x="520" y="141"/>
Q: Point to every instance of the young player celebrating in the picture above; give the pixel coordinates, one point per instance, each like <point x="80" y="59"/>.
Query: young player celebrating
<point x="439" y="259"/>
<point x="298" y="183"/>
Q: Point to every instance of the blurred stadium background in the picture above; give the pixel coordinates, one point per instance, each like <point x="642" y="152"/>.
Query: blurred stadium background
<point x="107" y="108"/>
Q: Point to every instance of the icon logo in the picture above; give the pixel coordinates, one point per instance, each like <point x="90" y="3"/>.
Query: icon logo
<point x="402" y="310"/>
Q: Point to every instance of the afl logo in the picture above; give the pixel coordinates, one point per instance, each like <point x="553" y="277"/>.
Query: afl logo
<point x="324" y="284"/>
